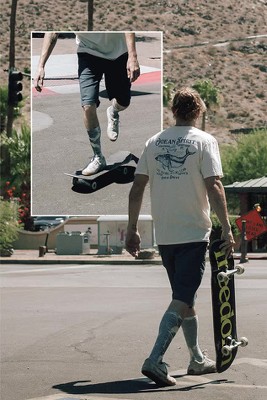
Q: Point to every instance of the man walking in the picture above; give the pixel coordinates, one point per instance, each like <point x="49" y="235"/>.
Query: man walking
<point x="183" y="167"/>
<point x="112" y="54"/>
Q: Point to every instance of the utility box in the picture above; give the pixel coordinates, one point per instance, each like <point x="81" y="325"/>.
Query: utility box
<point x="112" y="233"/>
<point x="72" y="243"/>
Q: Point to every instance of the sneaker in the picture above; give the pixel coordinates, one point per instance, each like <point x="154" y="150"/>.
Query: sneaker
<point x="158" y="373"/>
<point x="96" y="164"/>
<point x="207" y="366"/>
<point x="113" y="125"/>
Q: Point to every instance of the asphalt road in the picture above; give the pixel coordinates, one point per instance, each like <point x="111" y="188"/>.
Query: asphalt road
<point x="60" y="143"/>
<point x="82" y="332"/>
<point x="63" y="147"/>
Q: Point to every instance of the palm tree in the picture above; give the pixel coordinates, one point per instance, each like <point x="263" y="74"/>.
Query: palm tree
<point x="209" y="94"/>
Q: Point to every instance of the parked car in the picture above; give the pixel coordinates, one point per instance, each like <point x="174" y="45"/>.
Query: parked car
<point x="47" y="222"/>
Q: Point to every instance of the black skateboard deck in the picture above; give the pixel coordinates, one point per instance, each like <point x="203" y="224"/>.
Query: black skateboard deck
<point x="224" y="306"/>
<point x="120" y="168"/>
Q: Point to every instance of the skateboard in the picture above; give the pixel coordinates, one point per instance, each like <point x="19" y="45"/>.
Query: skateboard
<point x="223" y="306"/>
<point x="120" y="168"/>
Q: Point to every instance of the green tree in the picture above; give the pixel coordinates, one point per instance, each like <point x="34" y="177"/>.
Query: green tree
<point x="247" y="160"/>
<point x="209" y="94"/>
<point x="167" y="92"/>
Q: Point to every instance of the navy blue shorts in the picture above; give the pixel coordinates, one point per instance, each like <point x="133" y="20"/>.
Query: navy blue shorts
<point x="91" y="70"/>
<point x="185" y="265"/>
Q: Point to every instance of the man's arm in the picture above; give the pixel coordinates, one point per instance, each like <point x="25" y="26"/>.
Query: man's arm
<point x="218" y="203"/>
<point x="135" y="201"/>
<point x="50" y="39"/>
<point x="133" y="67"/>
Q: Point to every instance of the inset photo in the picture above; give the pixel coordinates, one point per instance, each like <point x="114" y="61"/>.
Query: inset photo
<point x="96" y="100"/>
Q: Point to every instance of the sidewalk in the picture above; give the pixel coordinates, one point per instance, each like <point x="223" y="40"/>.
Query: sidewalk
<point x="32" y="257"/>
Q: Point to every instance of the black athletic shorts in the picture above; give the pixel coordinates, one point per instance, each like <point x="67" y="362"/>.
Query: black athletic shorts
<point x="185" y="265"/>
<point x="91" y="70"/>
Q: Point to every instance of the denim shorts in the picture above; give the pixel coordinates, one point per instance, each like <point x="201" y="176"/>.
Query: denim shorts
<point x="185" y="265"/>
<point x="91" y="70"/>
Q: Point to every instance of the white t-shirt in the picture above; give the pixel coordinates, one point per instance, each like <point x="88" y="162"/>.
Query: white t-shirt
<point x="177" y="160"/>
<point x="109" y="45"/>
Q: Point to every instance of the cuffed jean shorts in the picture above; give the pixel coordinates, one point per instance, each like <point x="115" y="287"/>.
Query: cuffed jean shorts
<point x="91" y="70"/>
<point x="185" y="265"/>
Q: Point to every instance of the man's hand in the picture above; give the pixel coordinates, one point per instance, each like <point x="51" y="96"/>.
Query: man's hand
<point x="132" y="243"/>
<point x="39" y="79"/>
<point x="133" y="69"/>
<point x="228" y="245"/>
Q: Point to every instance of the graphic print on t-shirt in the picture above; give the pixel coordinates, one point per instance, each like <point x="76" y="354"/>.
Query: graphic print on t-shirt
<point x="171" y="157"/>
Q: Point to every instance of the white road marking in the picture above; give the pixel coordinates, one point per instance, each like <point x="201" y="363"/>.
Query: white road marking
<point x="47" y="268"/>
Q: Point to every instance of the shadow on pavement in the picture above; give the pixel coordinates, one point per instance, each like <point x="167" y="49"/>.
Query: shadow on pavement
<point x="127" y="386"/>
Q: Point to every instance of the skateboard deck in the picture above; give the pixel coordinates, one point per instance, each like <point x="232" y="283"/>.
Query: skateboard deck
<point x="120" y="168"/>
<point x="224" y="306"/>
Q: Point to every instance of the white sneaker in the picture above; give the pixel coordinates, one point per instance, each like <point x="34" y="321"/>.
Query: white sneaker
<point x="207" y="366"/>
<point x="96" y="164"/>
<point x="113" y="125"/>
<point x="158" y="373"/>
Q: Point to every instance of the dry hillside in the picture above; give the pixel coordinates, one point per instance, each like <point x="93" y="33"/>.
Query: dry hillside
<point x="235" y="64"/>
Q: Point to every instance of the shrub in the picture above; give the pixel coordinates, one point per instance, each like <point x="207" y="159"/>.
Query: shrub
<point x="8" y="226"/>
<point x="19" y="146"/>
<point x="217" y="228"/>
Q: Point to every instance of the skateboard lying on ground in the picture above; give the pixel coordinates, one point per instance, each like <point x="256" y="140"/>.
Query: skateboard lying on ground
<point x="120" y="168"/>
<point x="223" y="306"/>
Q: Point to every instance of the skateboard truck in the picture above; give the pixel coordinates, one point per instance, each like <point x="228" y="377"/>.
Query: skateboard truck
<point x="225" y="276"/>
<point x="233" y="344"/>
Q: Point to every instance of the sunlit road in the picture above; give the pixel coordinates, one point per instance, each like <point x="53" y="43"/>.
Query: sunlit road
<point x="70" y="331"/>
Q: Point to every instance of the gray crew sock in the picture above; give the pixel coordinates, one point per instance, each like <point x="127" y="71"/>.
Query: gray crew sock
<point x="95" y="140"/>
<point x="169" y="325"/>
<point x="190" y="329"/>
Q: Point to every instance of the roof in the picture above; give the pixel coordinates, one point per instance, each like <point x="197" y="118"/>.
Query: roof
<point x="258" y="185"/>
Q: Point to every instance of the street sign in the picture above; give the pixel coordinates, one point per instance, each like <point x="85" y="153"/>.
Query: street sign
<point x="255" y="225"/>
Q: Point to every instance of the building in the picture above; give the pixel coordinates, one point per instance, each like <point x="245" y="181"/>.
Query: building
<point x="250" y="193"/>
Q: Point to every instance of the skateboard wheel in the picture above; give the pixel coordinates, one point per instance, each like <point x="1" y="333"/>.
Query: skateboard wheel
<point x="244" y="342"/>
<point x="226" y="350"/>
<point x="75" y="181"/>
<point x="94" y="185"/>
<point x="240" y="269"/>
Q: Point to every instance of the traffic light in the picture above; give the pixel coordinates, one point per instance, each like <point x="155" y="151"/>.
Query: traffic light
<point x="14" y="88"/>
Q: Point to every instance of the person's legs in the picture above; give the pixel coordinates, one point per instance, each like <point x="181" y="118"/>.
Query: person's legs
<point x="119" y="91"/>
<point x="185" y="266"/>
<point x="154" y="367"/>
<point x="90" y="73"/>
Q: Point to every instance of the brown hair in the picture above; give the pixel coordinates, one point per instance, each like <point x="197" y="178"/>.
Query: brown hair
<point x="187" y="104"/>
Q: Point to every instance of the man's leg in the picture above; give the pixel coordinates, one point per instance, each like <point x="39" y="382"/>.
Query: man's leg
<point x="199" y="364"/>
<point x="169" y="325"/>
<point x="154" y="367"/>
<point x="118" y="86"/>
<point x="92" y="126"/>
<point x="113" y="120"/>
<point x="94" y="133"/>
<point x="90" y="73"/>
